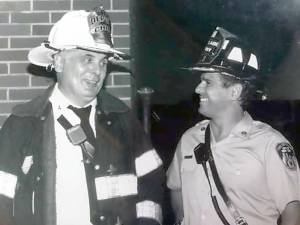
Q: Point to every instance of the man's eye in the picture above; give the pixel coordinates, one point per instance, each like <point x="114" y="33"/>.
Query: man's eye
<point x="205" y="82"/>
<point x="88" y="59"/>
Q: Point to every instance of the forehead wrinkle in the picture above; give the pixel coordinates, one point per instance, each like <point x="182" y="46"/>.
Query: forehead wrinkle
<point x="95" y="55"/>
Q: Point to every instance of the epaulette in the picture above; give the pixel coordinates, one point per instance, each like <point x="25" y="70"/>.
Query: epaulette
<point x="202" y="125"/>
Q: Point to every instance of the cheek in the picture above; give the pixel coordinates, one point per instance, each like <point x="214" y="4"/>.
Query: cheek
<point x="215" y="93"/>
<point x="103" y="77"/>
<point x="75" y="79"/>
<point x="103" y="74"/>
<point x="212" y="93"/>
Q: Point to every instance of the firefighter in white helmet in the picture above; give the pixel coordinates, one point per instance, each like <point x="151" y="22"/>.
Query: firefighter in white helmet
<point x="76" y="155"/>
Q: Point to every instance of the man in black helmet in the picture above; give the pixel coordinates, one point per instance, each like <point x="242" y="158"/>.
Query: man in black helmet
<point x="232" y="169"/>
<point x="77" y="155"/>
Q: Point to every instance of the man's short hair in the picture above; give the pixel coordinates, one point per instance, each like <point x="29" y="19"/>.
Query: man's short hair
<point x="248" y="89"/>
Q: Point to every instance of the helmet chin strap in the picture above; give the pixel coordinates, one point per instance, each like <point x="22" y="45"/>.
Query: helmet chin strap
<point x="47" y="45"/>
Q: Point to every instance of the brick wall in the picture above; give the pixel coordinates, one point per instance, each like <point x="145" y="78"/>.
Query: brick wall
<point x="25" y="23"/>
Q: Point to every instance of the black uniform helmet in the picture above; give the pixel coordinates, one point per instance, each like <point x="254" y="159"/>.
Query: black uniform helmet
<point x="228" y="54"/>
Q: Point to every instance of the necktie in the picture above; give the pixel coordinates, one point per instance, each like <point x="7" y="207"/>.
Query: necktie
<point x="84" y="114"/>
<point x="88" y="154"/>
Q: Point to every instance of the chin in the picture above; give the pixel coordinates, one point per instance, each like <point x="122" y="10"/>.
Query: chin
<point x="92" y="91"/>
<point x="89" y="95"/>
<point x="199" y="110"/>
<point x="203" y="112"/>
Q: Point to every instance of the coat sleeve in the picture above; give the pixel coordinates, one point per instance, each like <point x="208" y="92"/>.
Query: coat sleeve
<point x="151" y="178"/>
<point x="173" y="172"/>
<point x="12" y="141"/>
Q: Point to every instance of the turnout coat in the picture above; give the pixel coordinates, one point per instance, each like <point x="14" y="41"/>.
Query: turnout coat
<point x="125" y="156"/>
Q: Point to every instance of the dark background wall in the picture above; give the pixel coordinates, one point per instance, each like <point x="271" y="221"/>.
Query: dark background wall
<point x="167" y="35"/>
<point x="170" y="34"/>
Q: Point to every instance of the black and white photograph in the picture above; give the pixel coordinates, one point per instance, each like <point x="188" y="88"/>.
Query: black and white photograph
<point x="149" y="112"/>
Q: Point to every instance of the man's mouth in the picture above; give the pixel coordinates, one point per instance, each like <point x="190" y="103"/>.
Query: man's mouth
<point x="203" y="99"/>
<point x="91" y="82"/>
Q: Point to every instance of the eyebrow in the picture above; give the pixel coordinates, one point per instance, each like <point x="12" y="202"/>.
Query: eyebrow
<point x="89" y="55"/>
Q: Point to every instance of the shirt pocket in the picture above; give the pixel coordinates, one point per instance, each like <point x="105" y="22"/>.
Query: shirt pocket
<point x="188" y="164"/>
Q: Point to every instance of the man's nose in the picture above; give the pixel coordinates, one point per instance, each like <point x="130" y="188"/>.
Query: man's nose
<point x="199" y="89"/>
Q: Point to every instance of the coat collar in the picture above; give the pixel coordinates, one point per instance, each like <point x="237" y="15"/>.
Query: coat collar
<point x="37" y="106"/>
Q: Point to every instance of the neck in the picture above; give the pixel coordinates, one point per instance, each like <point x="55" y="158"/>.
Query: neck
<point x="222" y="125"/>
<point x="75" y="100"/>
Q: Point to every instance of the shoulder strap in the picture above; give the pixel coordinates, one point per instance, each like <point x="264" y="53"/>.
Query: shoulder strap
<point x="213" y="168"/>
<point x="236" y="215"/>
<point x="206" y="157"/>
<point x="77" y="136"/>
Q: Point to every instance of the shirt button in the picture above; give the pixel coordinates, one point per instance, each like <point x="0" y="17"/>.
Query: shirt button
<point x="102" y="218"/>
<point x="97" y="167"/>
<point x="98" y="112"/>
<point x="108" y="123"/>
<point x="38" y="178"/>
<point x="43" y="118"/>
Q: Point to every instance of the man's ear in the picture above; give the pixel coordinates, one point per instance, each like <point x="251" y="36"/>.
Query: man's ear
<point x="236" y="91"/>
<point x="58" y="62"/>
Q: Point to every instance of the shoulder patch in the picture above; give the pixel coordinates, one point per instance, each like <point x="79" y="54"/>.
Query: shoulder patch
<point x="287" y="155"/>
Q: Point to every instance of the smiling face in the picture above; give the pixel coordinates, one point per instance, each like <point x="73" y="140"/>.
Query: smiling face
<point x="80" y="74"/>
<point x="214" y="97"/>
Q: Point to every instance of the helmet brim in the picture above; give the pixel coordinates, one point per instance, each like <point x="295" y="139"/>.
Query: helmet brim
<point x="43" y="56"/>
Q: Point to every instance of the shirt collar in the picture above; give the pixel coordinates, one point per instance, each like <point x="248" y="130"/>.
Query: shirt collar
<point x="60" y="101"/>
<point x="40" y="107"/>
<point x="243" y="128"/>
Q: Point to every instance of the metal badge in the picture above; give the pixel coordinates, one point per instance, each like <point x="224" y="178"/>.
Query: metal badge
<point x="100" y="26"/>
<point x="240" y="221"/>
<point x="287" y="155"/>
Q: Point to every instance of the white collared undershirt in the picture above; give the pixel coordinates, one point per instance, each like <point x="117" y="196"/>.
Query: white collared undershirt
<point x="72" y="203"/>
